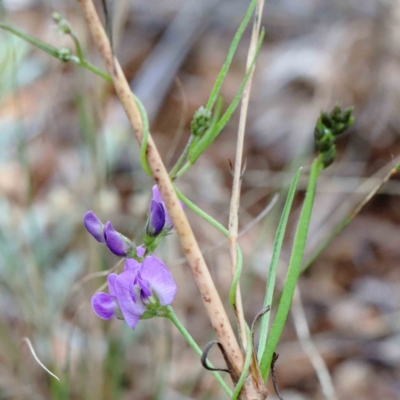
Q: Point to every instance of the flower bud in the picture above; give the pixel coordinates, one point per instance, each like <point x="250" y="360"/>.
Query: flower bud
<point x="201" y="121"/>
<point x="64" y="54"/>
<point x="325" y="143"/>
<point x="94" y="226"/>
<point x="156" y="220"/>
<point x="328" y="157"/>
<point x="117" y="243"/>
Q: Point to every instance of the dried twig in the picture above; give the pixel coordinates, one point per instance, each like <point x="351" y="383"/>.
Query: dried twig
<point x="235" y="200"/>
<point x="237" y="177"/>
<point x="32" y="350"/>
<point x="205" y="284"/>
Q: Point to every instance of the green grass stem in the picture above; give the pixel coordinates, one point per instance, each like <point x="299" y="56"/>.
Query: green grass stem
<point x="280" y="234"/>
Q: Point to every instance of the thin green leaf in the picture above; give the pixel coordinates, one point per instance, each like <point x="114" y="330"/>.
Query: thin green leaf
<point x="231" y="109"/>
<point x="145" y="140"/>
<point x="32" y="40"/>
<point x="210" y="136"/>
<point x="229" y="57"/>
<point x="280" y="234"/>
<point x="201" y="213"/>
<point x="293" y="271"/>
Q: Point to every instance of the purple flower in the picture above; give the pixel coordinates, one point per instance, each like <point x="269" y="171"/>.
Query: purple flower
<point x="131" y="262"/>
<point x="156" y="220"/>
<point x="139" y="288"/>
<point x="117" y="243"/>
<point x="94" y="226"/>
<point x="158" y="199"/>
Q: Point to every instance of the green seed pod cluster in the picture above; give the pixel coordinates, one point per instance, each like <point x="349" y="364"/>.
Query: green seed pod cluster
<point x="201" y="121"/>
<point x="64" y="54"/>
<point x="327" y="130"/>
<point x="62" y="23"/>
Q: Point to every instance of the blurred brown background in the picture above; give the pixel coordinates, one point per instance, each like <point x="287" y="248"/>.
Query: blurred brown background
<point x="66" y="147"/>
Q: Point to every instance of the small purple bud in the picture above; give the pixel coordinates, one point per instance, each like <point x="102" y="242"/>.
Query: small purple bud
<point x="116" y="242"/>
<point x="157" y="195"/>
<point x="94" y="226"/>
<point x="158" y="198"/>
<point x="104" y="305"/>
<point x="156" y="219"/>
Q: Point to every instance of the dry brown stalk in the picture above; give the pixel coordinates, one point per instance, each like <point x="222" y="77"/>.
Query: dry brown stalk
<point x="237" y="177"/>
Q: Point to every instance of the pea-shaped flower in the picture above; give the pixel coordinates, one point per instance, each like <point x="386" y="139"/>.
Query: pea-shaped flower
<point x="105" y="233"/>
<point x="158" y="211"/>
<point x="155" y="223"/>
<point x="141" y="288"/>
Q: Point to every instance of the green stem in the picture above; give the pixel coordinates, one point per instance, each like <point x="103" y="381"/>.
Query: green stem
<point x="293" y="271"/>
<point x="232" y="49"/>
<point x="215" y="118"/>
<point x="78" y="47"/>
<point x="201" y="213"/>
<point x="183" y="170"/>
<point x="174" y="319"/>
<point x="225" y="232"/>
<point x="89" y="66"/>
<point x="182" y="158"/>
<point x="30" y="39"/>
<point x="211" y="135"/>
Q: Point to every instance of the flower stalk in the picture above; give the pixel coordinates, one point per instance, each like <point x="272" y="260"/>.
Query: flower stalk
<point x="205" y="284"/>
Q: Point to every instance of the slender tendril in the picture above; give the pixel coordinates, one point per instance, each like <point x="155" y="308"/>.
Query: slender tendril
<point x="225" y="232"/>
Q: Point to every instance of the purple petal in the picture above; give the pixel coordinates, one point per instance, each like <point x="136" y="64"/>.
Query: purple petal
<point x="144" y="285"/>
<point x="130" y="309"/>
<point x="140" y="251"/>
<point x="104" y="305"/>
<point x="168" y="220"/>
<point x="157" y="217"/>
<point x="94" y="226"/>
<point x="131" y="263"/>
<point x="157" y="195"/>
<point x="158" y="198"/>
<point x="111" y="284"/>
<point x="161" y="281"/>
<point x="114" y="241"/>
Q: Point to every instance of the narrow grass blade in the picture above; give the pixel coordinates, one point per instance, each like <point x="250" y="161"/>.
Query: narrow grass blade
<point x="280" y="234"/>
<point x="32" y="40"/>
<point x="293" y="271"/>
<point x="229" y="57"/>
<point x="210" y="136"/>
